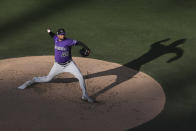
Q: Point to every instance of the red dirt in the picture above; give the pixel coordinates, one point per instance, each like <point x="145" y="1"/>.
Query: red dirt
<point x="56" y="106"/>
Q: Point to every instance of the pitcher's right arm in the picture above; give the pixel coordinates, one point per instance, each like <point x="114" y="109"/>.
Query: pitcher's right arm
<point x="50" y="33"/>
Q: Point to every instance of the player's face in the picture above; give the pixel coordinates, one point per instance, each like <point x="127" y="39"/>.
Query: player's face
<point x="61" y="37"/>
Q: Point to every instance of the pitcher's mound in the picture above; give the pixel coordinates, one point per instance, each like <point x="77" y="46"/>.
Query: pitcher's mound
<point x="125" y="98"/>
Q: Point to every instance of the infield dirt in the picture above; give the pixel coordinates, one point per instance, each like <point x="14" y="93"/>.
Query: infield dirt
<point x="125" y="98"/>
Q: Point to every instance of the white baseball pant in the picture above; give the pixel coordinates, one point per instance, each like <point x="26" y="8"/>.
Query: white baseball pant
<point x="57" y="69"/>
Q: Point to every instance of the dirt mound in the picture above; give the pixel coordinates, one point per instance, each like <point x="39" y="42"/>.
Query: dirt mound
<point x="125" y="98"/>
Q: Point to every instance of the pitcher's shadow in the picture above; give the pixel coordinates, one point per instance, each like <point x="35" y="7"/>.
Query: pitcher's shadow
<point x="157" y="49"/>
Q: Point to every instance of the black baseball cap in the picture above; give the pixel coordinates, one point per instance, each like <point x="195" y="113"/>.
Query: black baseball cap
<point x="61" y="31"/>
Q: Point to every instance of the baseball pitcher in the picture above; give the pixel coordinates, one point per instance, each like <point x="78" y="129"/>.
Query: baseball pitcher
<point x="63" y="61"/>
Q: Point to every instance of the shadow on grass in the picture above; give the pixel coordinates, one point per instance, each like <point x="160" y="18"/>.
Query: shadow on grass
<point x="157" y="49"/>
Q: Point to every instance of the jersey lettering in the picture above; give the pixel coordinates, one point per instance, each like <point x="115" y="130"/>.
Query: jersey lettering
<point x="60" y="48"/>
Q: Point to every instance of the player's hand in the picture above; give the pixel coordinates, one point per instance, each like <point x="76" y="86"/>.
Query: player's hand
<point x="48" y="30"/>
<point x="85" y="52"/>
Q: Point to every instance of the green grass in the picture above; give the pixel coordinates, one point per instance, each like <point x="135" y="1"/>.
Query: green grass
<point x="118" y="31"/>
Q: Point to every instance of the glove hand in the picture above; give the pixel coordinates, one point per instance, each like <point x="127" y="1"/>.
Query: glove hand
<point x="84" y="52"/>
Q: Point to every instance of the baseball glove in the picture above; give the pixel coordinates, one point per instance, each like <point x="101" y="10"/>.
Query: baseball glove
<point x="84" y="52"/>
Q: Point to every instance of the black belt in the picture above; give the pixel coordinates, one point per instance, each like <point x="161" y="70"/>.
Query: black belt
<point x="65" y="62"/>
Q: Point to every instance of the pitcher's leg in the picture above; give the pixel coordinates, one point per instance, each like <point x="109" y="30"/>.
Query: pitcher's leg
<point x="53" y="72"/>
<point x="73" y="69"/>
<point x="56" y="69"/>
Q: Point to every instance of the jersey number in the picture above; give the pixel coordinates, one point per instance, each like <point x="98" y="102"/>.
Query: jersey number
<point x="64" y="54"/>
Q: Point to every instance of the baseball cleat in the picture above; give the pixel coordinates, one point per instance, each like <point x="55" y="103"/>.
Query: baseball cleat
<point x="22" y="87"/>
<point x="87" y="98"/>
<point x="27" y="83"/>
